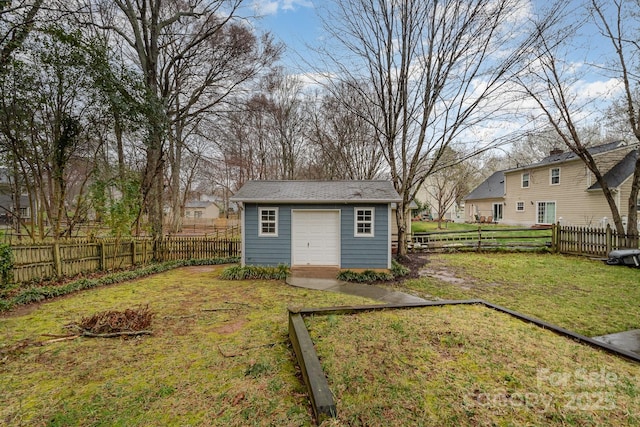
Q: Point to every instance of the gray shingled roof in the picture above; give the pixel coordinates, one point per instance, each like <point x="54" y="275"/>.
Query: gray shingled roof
<point x="570" y="155"/>
<point x="198" y="204"/>
<point x="6" y="202"/>
<point x="491" y="188"/>
<point x="620" y="172"/>
<point x="317" y="192"/>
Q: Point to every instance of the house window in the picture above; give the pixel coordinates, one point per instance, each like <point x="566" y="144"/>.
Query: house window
<point x="546" y="212"/>
<point x="555" y="176"/>
<point x="525" y="180"/>
<point x="187" y="214"/>
<point x="197" y="214"/>
<point x="364" y="222"/>
<point x="268" y="221"/>
<point x="519" y="206"/>
<point x="24" y="213"/>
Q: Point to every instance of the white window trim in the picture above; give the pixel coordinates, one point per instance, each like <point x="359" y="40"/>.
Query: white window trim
<point x="26" y="214"/>
<point x="522" y="180"/>
<point x="493" y="211"/>
<point x="355" y="222"/>
<point x="551" y="176"/>
<point x="523" y="206"/>
<point x="260" y="232"/>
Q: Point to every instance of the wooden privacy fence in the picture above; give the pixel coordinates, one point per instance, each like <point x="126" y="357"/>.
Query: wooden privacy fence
<point x="69" y="258"/>
<point x="590" y="241"/>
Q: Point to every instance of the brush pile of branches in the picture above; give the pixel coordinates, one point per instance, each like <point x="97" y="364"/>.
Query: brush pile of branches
<point x="113" y="323"/>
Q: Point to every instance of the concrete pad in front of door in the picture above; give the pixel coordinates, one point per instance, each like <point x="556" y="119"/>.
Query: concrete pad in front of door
<point x="305" y="279"/>
<point x="628" y="340"/>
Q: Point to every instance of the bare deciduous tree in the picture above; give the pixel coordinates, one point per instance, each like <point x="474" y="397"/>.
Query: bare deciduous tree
<point x="343" y="143"/>
<point x="551" y="83"/>
<point x="446" y="187"/>
<point x="622" y="32"/>
<point x="432" y="69"/>
<point x="197" y="78"/>
<point x="145" y="27"/>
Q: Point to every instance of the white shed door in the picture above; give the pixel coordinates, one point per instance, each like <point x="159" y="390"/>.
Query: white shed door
<point x="315" y="237"/>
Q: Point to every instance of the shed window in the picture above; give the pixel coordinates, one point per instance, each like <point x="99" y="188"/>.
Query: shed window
<point x="519" y="206"/>
<point x="364" y="222"/>
<point x="555" y="176"/>
<point x="268" y="221"/>
<point x="525" y="180"/>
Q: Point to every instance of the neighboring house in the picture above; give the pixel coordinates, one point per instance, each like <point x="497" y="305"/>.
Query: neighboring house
<point x="433" y="194"/>
<point x="7" y="205"/>
<point x="201" y="210"/>
<point x="559" y="188"/>
<point x="345" y="224"/>
<point x="486" y="200"/>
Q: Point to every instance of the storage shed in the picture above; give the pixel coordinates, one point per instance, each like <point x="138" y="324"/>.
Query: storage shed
<point x="344" y="224"/>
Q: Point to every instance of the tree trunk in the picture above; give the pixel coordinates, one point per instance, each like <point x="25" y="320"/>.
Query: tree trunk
<point x="632" y="225"/>
<point x="401" y="216"/>
<point x="153" y="188"/>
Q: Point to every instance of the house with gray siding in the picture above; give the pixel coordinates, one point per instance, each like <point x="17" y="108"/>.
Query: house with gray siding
<point x="344" y="224"/>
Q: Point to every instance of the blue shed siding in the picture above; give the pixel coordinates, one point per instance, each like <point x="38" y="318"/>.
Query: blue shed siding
<point x="356" y="252"/>
<point x="260" y="250"/>
<point x="365" y="252"/>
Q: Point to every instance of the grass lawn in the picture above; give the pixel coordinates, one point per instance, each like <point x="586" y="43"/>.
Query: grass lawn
<point x="468" y="366"/>
<point x="583" y="295"/>
<point x="230" y="367"/>
<point x="425" y="226"/>
<point x="220" y="355"/>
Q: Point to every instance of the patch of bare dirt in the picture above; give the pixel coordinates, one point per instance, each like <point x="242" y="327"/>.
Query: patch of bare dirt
<point x="231" y="327"/>
<point x="439" y="270"/>
<point x="202" y="269"/>
<point x="444" y="275"/>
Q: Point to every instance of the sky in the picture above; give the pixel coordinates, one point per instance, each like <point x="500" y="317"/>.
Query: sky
<point x="296" y="24"/>
<point x="292" y="22"/>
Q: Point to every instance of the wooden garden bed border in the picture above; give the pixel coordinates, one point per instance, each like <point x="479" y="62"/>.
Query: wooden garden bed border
<point x="315" y="380"/>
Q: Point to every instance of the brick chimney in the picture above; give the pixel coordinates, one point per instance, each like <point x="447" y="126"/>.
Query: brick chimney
<point x="555" y="151"/>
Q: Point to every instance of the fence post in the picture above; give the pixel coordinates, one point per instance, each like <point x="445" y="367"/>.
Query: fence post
<point x="133" y="252"/>
<point x="580" y="240"/>
<point x="103" y="256"/>
<point x="609" y="239"/>
<point x="56" y="259"/>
